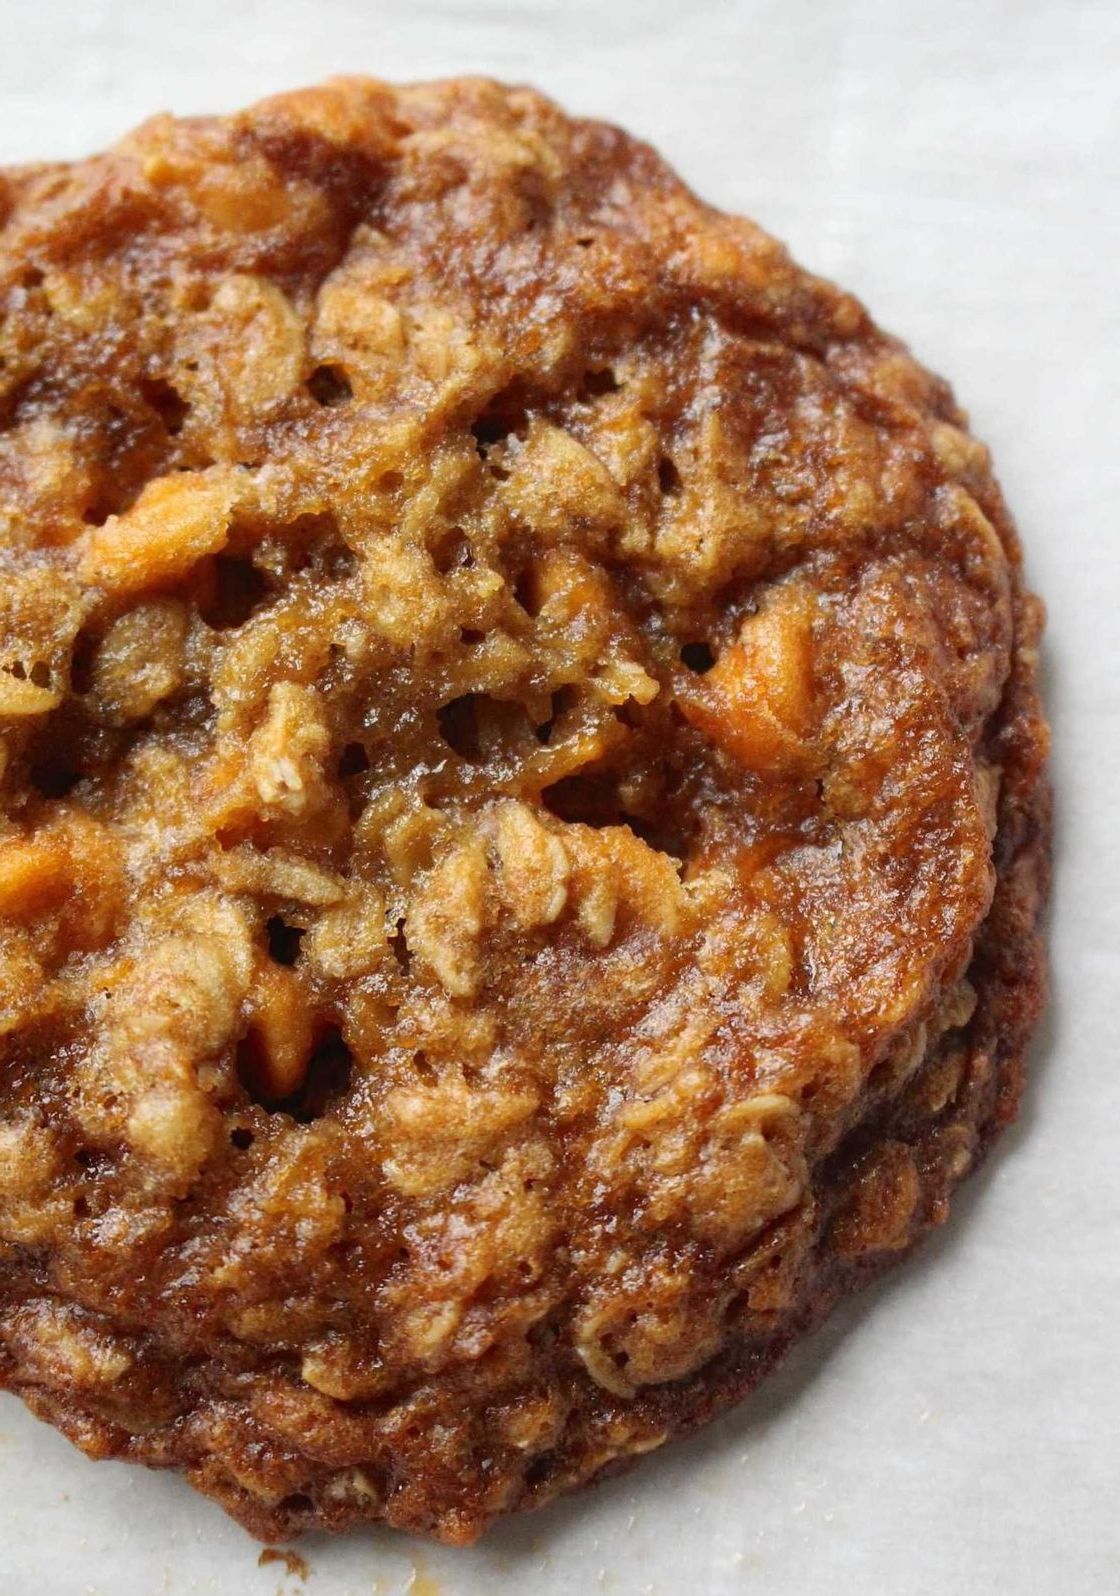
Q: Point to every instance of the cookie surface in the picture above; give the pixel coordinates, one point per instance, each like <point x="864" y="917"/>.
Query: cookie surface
<point x="522" y="809"/>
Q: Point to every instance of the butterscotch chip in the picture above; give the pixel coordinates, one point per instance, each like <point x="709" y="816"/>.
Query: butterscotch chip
<point x="522" y="813"/>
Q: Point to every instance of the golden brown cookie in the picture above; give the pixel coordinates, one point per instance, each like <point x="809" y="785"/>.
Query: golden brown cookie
<point x="522" y="814"/>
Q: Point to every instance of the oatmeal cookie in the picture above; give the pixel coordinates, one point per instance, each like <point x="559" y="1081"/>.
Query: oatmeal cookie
<point x="522" y="809"/>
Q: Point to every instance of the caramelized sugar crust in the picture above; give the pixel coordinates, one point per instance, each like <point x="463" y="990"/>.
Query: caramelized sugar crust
<point x="522" y="822"/>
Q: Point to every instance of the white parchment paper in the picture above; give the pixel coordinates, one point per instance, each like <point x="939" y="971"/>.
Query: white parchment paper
<point x="957" y="164"/>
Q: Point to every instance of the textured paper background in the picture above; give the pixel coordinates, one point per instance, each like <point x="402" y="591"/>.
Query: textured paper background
<point x="957" y="164"/>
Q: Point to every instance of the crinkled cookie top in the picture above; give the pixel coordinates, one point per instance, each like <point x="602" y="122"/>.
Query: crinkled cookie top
<point x="497" y="668"/>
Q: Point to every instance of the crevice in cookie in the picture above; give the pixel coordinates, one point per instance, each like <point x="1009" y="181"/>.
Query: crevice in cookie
<point x="329" y="385"/>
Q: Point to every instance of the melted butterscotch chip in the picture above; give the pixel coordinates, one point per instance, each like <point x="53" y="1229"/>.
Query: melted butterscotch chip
<point x="522" y="822"/>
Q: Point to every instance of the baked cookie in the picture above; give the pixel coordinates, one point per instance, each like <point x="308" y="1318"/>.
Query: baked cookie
<point x="522" y="818"/>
